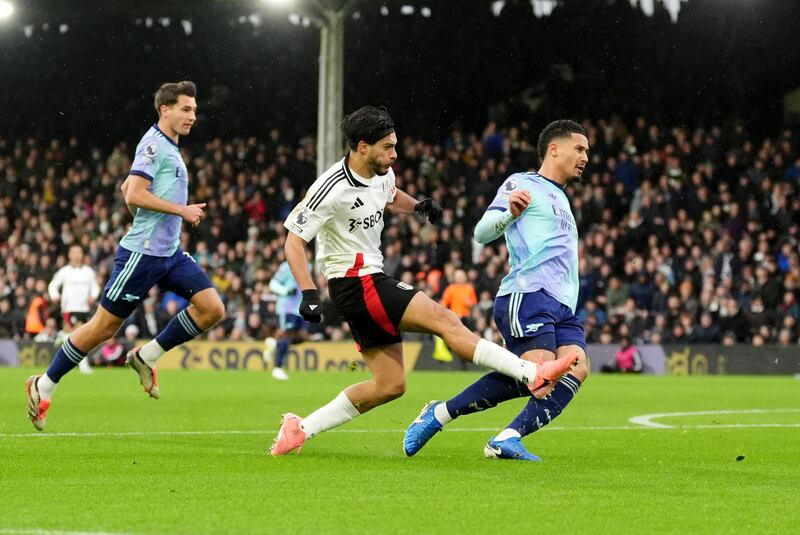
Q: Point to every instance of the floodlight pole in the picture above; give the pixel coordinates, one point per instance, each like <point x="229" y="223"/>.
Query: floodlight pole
<point x="331" y="90"/>
<point x="330" y="21"/>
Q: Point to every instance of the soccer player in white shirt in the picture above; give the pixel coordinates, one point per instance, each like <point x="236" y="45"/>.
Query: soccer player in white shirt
<point x="75" y="287"/>
<point x="344" y="209"/>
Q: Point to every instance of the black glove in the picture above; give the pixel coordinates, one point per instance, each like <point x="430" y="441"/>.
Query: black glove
<point x="429" y="207"/>
<point x="311" y="306"/>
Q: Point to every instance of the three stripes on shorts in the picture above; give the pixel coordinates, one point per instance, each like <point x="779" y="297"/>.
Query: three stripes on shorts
<point x="124" y="276"/>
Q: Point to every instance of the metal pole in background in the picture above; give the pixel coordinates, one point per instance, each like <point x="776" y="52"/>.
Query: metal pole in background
<point x="331" y="88"/>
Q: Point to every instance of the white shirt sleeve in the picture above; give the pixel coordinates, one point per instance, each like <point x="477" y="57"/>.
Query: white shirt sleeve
<point x="94" y="290"/>
<point x="54" y="288"/>
<point x="316" y="208"/>
<point x="392" y="187"/>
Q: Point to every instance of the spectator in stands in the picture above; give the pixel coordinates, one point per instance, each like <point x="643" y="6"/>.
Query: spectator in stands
<point x="111" y="353"/>
<point x="149" y="320"/>
<point x="626" y="360"/>
<point x="6" y="320"/>
<point x="707" y="332"/>
<point x="758" y="316"/>
<point x="49" y="333"/>
<point x="37" y="309"/>
<point x="708" y="215"/>
<point x="460" y="297"/>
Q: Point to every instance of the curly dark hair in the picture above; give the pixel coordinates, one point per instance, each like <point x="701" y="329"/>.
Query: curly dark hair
<point x="368" y="124"/>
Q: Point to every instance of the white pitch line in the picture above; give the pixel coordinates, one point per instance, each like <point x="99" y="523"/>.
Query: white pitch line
<point x="34" y="531"/>
<point x="645" y="420"/>
<point x="273" y="431"/>
<point x="449" y="430"/>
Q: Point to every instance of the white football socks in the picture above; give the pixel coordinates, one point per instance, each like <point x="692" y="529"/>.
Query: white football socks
<point x="507" y="433"/>
<point x="85" y="367"/>
<point x="45" y="385"/>
<point x="441" y="413"/>
<point x="151" y="352"/>
<point x="495" y="357"/>
<point x="339" y="411"/>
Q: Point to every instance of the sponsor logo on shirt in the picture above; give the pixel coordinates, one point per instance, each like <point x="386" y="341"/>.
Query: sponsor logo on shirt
<point x="365" y="223"/>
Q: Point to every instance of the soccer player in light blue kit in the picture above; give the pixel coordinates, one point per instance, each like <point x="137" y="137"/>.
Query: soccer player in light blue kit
<point x="535" y="306"/>
<point x="156" y="191"/>
<point x="292" y="325"/>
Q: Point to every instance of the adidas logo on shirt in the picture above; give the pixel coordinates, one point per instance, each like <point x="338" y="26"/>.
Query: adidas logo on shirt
<point x="357" y="204"/>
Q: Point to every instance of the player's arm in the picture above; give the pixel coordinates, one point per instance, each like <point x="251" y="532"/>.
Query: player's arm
<point x="94" y="290"/>
<point x="637" y="361"/>
<point x="311" y="304"/>
<point x="306" y="220"/>
<point x="403" y="203"/>
<point x="138" y="195"/>
<point x="54" y="288"/>
<point x="498" y="218"/>
<point x="124" y="188"/>
<point x="277" y="286"/>
<point x="295" y="250"/>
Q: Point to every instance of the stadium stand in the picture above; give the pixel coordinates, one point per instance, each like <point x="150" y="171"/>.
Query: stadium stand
<point x="687" y="235"/>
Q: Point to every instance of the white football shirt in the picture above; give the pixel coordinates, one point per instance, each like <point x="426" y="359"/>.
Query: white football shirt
<point x="345" y="212"/>
<point x="75" y="287"/>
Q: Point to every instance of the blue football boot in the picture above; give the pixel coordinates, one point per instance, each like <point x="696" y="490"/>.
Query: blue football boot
<point x="421" y="430"/>
<point x="510" y="448"/>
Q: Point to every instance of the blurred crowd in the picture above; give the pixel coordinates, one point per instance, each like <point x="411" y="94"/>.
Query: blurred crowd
<point x="687" y="235"/>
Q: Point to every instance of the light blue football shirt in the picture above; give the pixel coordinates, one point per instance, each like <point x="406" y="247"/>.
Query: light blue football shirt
<point x="542" y="242"/>
<point x="159" y="160"/>
<point x="287" y="304"/>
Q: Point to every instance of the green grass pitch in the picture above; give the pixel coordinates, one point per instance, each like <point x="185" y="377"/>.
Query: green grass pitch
<point x="114" y="461"/>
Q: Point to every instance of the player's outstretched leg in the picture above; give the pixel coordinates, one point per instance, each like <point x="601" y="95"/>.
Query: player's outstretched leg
<point x="281" y="351"/>
<point x="148" y="376"/>
<point x="425" y="315"/>
<point x="294" y="431"/>
<point x="422" y="429"/>
<point x="509" y="448"/>
<point x="37" y="407"/>
<point x="485" y="393"/>
<point x="290" y="435"/>
<point x="538" y="413"/>
<point x="205" y="311"/>
<point x="39" y="388"/>
<point x="548" y="374"/>
<point x="387" y="383"/>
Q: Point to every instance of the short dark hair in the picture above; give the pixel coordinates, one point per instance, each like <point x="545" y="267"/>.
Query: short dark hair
<point x="168" y="93"/>
<point x="368" y="124"/>
<point x="555" y="130"/>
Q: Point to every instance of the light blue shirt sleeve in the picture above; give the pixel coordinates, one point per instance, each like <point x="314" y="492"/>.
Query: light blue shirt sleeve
<point x="146" y="160"/>
<point x="492" y="225"/>
<point x="283" y="282"/>
<point x="500" y="201"/>
<point x="497" y="217"/>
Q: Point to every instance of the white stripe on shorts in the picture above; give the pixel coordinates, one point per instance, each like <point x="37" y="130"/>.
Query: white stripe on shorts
<point x="124" y="276"/>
